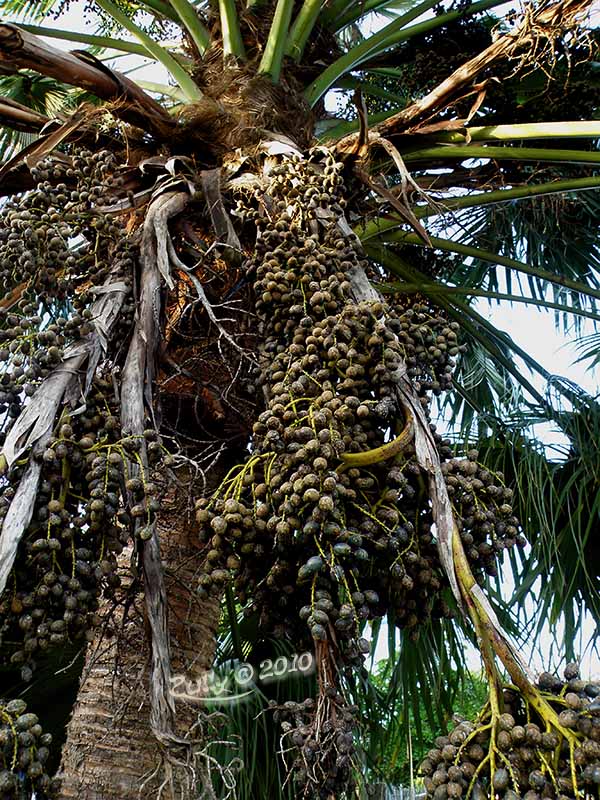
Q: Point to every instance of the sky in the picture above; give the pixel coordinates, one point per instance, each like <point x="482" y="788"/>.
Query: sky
<point x="533" y="330"/>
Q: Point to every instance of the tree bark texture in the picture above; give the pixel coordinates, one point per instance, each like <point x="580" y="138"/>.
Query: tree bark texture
<point x="110" y="749"/>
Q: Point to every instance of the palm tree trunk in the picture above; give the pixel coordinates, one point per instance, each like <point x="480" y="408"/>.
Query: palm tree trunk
<point x="110" y="749"/>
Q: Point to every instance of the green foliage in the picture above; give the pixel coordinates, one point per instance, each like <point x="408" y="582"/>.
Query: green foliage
<point x="29" y="9"/>
<point x="36" y="92"/>
<point x="558" y="495"/>
<point x="400" y="756"/>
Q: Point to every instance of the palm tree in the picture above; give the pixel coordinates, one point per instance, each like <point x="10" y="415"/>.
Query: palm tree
<point x="221" y="298"/>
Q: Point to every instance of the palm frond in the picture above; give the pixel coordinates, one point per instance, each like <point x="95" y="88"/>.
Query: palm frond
<point x="393" y="34"/>
<point x="28" y="9"/>
<point x="355" y="12"/>
<point x="302" y="28"/>
<point x="179" y="73"/>
<point x="508" y="153"/>
<point x="558" y="501"/>
<point x="555" y="131"/>
<point x="485" y="390"/>
<point x="37" y="92"/>
<point x="589" y="349"/>
<point x="558" y="235"/>
<point x="418" y="691"/>
<point x="12" y="141"/>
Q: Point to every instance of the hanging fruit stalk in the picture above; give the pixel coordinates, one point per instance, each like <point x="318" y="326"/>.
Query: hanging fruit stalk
<point x="328" y="523"/>
<point x="529" y="740"/>
<point x="492" y="639"/>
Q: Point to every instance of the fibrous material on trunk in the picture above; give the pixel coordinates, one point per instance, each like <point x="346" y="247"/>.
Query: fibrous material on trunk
<point x="118" y="724"/>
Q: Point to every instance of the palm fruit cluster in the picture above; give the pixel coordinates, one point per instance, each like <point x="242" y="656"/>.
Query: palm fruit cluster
<point x="328" y="523"/>
<point x="309" y="538"/>
<point x="313" y="536"/>
<point x="24" y="751"/>
<point x="523" y="752"/>
<point x="38" y="228"/>
<point x="483" y="512"/>
<point x="57" y="250"/>
<point x="318" y="743"/>
<point x="80" y="522"/>
<point x="428" y="343"/>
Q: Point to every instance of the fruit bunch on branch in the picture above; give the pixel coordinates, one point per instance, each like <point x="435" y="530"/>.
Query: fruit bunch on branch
<point x="333" y="519"/>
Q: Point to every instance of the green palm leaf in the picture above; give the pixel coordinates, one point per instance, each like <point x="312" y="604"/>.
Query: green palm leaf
<point x="560" y="510"/>
<point x="28" y="9"/>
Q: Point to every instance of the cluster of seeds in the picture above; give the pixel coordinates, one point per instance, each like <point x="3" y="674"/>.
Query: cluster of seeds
<point x="520" y="753"/>
<point x="428" y="343"/>
<point x="318" y="740"/>
<point x="309" y="537"/>
<point x="483" y="512"/>
<point x="50" y="237"/>
<point x="27" y="354"/>
<point x="311" y="529"/>
<point x="80" y="522"/>
<point x="24" y="751"/>
<point x="68" y="271"/>
<point x="415" y="579"/>
<point x="327" y="524"/>
<point x="56" y="248"/>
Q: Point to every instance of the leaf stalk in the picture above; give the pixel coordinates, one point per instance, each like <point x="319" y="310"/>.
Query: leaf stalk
<point x="189" y="88"/>
<point x="272" y="58"/>
<point x="233" y="44"/>
<point x="494" y="258"/>
<point x="191" y="22"/>
<point x="464" y="152"/>
<point x="302" y="28"/>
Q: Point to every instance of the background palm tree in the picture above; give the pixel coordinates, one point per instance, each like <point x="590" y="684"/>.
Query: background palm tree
<point x="128" y="336"/>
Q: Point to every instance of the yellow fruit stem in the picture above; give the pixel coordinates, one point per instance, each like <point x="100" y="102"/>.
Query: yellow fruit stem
<point x="495" y="644"/>
<point x="385" y="451"/>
